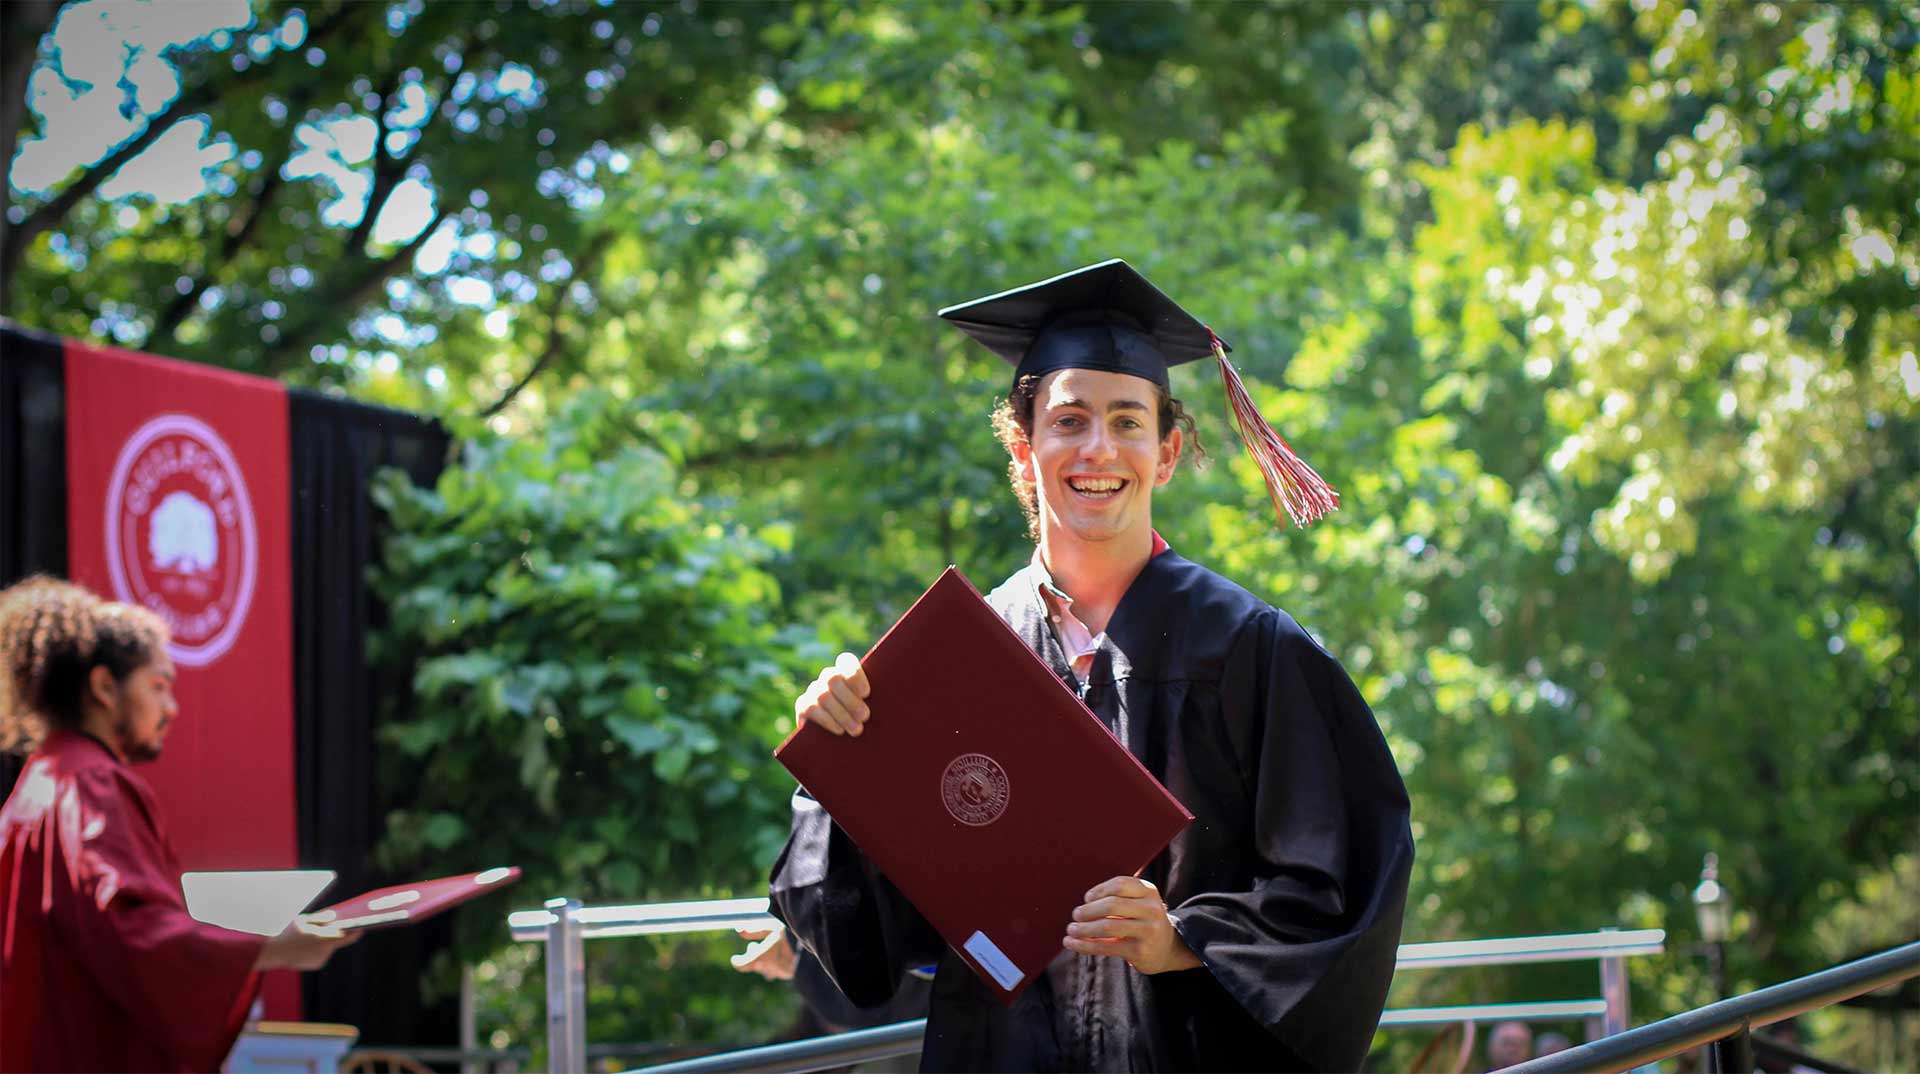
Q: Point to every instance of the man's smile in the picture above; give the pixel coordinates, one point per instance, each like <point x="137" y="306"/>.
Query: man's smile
<point x="1097" y="486"/>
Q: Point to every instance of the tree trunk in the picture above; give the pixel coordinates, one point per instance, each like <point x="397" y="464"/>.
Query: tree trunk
<point x="22" y="25"/>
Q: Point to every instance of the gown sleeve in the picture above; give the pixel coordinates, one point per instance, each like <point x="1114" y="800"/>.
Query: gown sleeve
<point x="839" y="908"/>
<point x="1309" y="949"/>
<point x="186" y="985"/>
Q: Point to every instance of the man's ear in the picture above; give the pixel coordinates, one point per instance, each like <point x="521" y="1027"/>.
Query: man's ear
<point x="1169" y="457"/>
<point x="102" y="688"/>
<point x="1022" y="453"/>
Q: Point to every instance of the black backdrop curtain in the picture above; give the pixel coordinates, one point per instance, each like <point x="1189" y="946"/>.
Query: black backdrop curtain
<point x="33" y="468"/>
<point x="336" y="448"/>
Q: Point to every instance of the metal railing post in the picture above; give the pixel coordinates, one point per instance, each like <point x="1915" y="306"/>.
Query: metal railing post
<point x="566" y="989"/>
<point x="1613" y="989"/>
<point x="1733" y="1052"/>
<point x="469" y="1035"/>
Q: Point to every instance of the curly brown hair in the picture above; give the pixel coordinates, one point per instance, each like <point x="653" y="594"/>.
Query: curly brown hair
<point x="52" y="635"/>
<point x="1013" y="424"/>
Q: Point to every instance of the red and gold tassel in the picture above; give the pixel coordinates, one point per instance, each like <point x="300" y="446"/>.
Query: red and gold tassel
<point x="1297" y="491"/>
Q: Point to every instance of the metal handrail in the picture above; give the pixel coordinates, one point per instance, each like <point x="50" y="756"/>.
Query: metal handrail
<point x="1547" y="1011"/>
<point x="1571" y="947"/>
<point x="647" y="919"/>
<point x="1671" y="1036"/>
<point x="659" y="918"/>
<point x="1617" y="1053"/>
<point x="568" y="924"/>
<point x="801" y="1056"/>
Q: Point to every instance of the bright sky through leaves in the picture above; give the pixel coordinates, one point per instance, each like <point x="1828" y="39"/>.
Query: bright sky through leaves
<point x="106" y="76"/>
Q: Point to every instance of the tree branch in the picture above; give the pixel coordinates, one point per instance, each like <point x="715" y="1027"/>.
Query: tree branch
<point x="386" y="169"/>
<point x="274" y="358"/>
<point x="556" y="340"/>
<point x="384" y="269"/>
<point x="237" y="237"/>
<point x="19" y="237"/>
<point x="239" y="233"/>
<point x="24" y="24"/>
<point x="365" y="274"/>
<point x="555" y="343"/>
<point x="15" y="239"/>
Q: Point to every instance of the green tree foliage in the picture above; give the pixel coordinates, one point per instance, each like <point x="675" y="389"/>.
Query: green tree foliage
<point x="1599" y="314"/>
<point x="1598" y="587"/>
<point x="570" y="607"/>
<point x="503" y="117"/>
<point x="597" y="671"/>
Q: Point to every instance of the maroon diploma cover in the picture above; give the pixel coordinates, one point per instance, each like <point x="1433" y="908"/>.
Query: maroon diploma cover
<point x="404" y="904"/>
<point x="982" y="787"/>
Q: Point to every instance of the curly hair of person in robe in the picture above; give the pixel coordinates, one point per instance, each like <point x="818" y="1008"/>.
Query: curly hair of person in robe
<point x="52" y="635"/>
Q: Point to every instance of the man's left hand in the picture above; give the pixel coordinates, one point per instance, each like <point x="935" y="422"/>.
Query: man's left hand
<point x="770" y="954"/>
<point x="1125" y="918"/>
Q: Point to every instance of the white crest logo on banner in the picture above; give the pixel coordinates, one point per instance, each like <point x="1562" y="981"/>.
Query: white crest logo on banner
<point x="181" y="538"/>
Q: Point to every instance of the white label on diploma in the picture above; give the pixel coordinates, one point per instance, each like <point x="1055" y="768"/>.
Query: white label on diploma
<point x="990" y="958"/>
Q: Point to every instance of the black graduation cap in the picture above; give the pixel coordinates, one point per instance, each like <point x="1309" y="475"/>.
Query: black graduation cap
<point x="1104" y="316"/>
<point x="1109" y="317"/>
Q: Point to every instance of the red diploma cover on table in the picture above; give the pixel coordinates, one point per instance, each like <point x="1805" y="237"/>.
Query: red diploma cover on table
<point x="982" y="787"/>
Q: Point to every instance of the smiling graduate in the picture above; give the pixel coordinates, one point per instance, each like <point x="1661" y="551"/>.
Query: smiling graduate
<point x="1264" y="937"/>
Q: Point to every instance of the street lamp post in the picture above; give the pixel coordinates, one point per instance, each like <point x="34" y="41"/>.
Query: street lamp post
<point x="1713" y="911"/>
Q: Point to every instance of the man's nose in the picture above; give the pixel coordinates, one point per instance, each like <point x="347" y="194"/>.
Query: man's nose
<point x="1098" y="445"/>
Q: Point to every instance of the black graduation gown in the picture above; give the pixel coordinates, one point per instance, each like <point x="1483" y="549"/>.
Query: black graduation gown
<point x="1290" y="884"/>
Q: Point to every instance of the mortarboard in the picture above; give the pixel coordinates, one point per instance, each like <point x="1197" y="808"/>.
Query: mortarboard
<point x="1109" y="317"/>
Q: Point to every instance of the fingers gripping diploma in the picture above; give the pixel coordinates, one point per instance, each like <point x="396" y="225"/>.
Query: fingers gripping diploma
<point x="837" y="699"/>
<point x="770" y="954"/>
<point x="1125" y="918"/>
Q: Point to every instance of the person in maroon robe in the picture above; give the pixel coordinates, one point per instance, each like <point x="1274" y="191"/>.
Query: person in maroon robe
<point x="101" y="967"/>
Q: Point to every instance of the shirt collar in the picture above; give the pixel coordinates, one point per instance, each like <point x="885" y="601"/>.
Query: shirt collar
<point x="1075" y="639"/>
<point x="1043" y="578"/>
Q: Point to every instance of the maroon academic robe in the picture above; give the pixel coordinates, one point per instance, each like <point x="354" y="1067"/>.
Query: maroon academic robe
<point x="101" y="968"/>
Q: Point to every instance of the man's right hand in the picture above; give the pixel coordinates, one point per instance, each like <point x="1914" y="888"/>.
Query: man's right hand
<point x="836" y="700"/>
<point x="770" y="954"/>
<point x="306" y="944"/>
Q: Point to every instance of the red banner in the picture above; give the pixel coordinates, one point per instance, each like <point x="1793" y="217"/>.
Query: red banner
<point x="177" y="501"/>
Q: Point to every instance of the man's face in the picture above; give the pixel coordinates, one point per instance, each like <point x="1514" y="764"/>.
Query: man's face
<point x="146" y="710"/>
<point x="1096" y="455"/>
